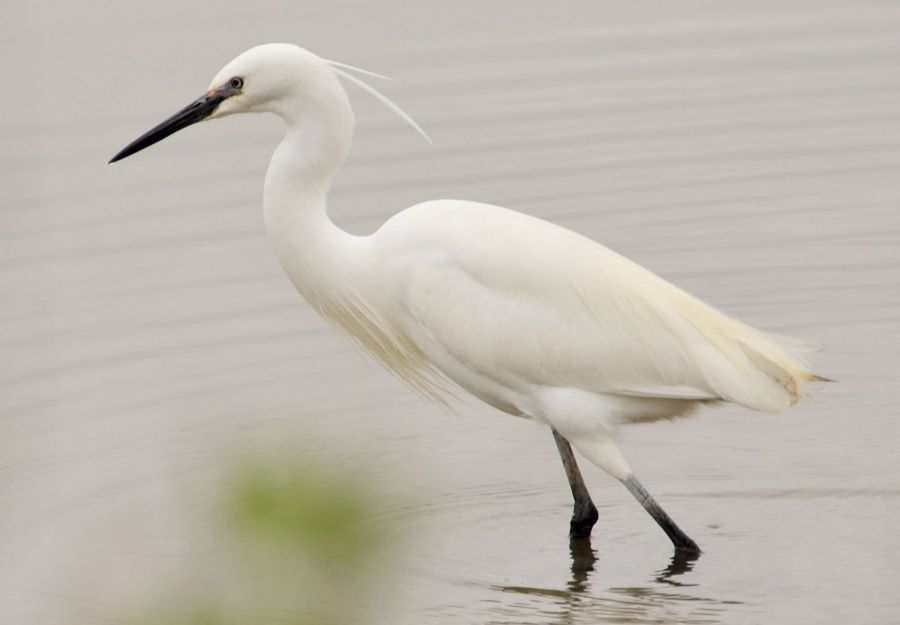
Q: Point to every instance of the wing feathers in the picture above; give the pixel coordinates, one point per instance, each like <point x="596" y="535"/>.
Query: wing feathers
<point x="538" y="305"/>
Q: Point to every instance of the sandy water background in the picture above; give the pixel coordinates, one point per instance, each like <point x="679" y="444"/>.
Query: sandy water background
<point x="749" y="153"/>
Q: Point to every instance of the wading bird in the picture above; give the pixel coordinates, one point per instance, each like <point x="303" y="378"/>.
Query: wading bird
<point x="533" y="319"/>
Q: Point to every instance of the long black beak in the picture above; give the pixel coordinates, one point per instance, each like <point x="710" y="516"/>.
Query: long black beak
<point x="196" y="111"/>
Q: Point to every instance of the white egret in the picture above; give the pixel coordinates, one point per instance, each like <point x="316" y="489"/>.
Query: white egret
<point x="532" y="318"/>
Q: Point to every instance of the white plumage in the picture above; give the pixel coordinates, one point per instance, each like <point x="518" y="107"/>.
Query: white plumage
<point x="527" y="304"/>
<point x="532" y="318"/>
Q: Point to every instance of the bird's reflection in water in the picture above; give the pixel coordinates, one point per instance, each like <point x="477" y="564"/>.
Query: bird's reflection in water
<point x="583" y="559"/>
<point x="681" y="563"/>
<point x="577" y="602"/>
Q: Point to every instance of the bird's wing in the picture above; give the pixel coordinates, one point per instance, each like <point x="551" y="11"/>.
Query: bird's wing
<point x="523" y="300"/>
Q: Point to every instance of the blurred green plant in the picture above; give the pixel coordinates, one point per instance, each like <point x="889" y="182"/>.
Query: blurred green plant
<point x="295" y="543"/>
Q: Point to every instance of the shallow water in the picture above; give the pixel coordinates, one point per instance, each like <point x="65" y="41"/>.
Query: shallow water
<point x="750" y="155"/>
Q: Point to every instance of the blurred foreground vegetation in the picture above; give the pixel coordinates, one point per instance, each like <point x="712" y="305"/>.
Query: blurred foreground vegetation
<point x="295" y="543"/>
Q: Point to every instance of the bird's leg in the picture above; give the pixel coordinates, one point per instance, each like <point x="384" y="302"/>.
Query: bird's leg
<point x="681" y="540"/>
<point x="585" y="513"/>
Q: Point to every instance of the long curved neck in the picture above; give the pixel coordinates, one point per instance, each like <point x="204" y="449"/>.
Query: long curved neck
<point x="331" y="268"/>
<point x="320" y="258"/>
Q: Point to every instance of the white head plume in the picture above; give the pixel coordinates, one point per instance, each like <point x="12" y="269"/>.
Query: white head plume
<point x="343" y="70"/>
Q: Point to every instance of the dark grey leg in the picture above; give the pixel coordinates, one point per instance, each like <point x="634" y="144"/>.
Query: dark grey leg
<point x="681" y="540"/>
<point x="585" y="513"/>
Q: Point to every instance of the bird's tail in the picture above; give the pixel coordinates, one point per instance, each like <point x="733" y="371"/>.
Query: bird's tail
<point x="740" y="363"/>
<point x="783" y="360"/>
<point x="776" y="367"/>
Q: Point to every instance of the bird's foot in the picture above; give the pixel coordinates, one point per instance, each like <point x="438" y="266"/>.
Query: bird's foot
<point x="684" y="544"/>
<point x="583" y="520"/>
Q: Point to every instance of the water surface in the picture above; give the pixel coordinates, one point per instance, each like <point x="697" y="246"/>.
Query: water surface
<point x="749" y="154"/>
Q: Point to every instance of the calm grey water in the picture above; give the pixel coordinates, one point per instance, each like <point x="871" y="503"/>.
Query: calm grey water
<point x="749" y="153"/>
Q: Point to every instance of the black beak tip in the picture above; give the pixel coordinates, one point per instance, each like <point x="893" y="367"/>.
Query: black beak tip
<point x="128" y="150"/>
<point x="120" y="155"/>
<point x="139" y="144"/>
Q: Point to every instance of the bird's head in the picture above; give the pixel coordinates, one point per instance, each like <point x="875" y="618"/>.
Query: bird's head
<point x="284" y="79"/>
<point x="276" y="78"/>
<point x="273" y="78"/>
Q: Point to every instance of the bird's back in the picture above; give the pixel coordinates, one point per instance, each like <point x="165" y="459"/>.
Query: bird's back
<point x="531" y="304"/>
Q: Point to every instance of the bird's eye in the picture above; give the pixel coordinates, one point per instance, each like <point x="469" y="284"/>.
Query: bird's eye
<point x="236" y="83"/>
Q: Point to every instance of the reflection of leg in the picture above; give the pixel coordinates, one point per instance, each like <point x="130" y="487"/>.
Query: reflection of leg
<point x="583" y="560"/>
<point x="585" y="513"/>
<point x="681" y="540"/>
<point x="682" y="562"/>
